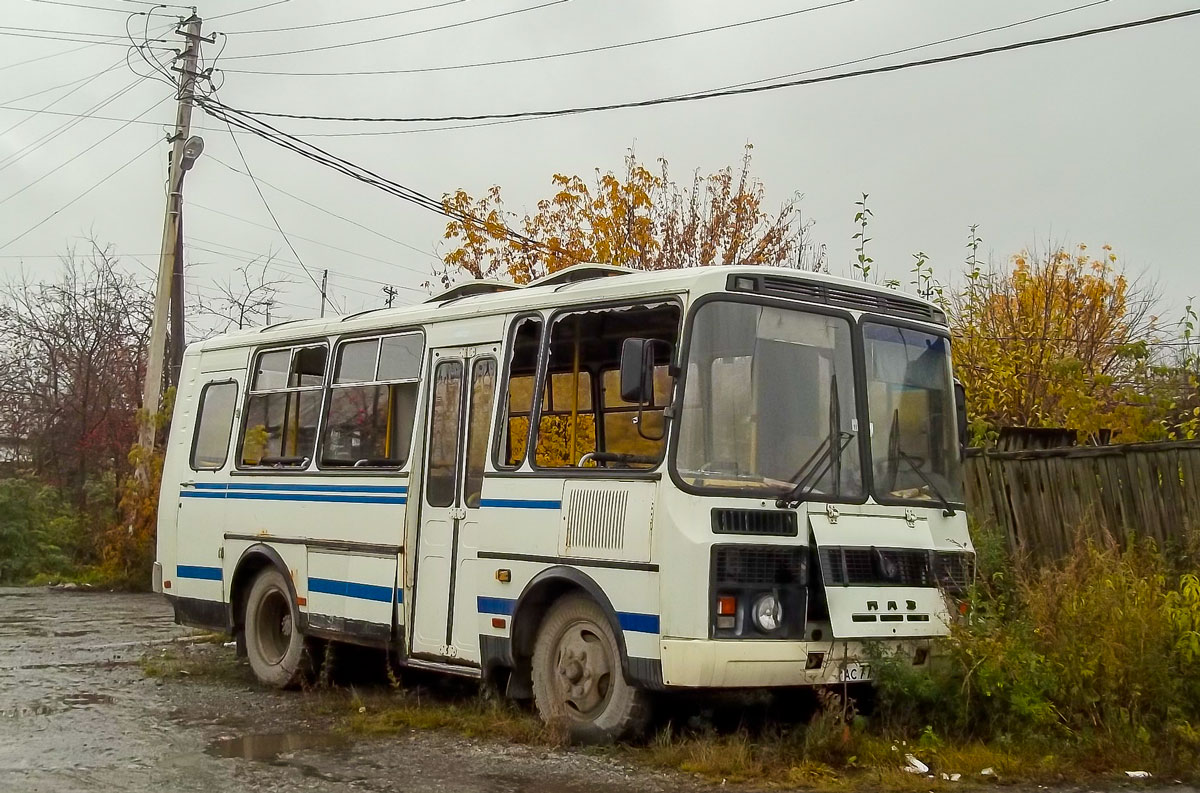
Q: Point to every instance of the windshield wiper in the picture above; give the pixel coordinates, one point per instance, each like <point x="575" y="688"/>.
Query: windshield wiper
<point x="827" y="456"/>
<point x="896" y="453"/>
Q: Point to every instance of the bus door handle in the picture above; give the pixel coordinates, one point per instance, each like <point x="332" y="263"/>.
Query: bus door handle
<point x="457" y="513"/>
<point x="189" y="483"/>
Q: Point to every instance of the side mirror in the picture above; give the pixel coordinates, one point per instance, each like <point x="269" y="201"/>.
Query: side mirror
<point x="960" y="408"/>
<point x="637" y="371"/>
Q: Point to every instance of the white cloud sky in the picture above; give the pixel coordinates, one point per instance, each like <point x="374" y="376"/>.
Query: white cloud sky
<point x="1091" y="140"/>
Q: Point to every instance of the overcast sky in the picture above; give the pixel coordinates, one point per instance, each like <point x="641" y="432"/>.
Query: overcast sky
<point x="1092" y="140"/>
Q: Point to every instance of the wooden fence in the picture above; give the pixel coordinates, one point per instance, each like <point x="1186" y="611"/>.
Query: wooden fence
<point x="1042" y="498"/>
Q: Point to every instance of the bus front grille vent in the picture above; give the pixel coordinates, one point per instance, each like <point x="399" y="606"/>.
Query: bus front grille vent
<point x="875" y="567"/>
<point x="596" y="519"/>
<point x="765" y="565"/>
<point x="955" y="570"/>
<point x="774" y="523"/>
<point x="849" y="297"/>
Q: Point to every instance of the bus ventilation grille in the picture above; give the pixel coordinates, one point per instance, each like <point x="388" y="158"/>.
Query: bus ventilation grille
<point x="766" y="565"/>
<point x="848" y="297"/>
<point x="955" y="570"/>
<point x="596" y="519"/>
<point x="875" y="567"/>
<point x="774" y="523"/>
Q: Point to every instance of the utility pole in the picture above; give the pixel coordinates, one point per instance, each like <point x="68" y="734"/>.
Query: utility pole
<point x="389" y="293"/>
<point x="166" y="265"/>
<point x="177" y="330"/>
<point x="324" y="287"/>
<point x="268" y="305"/>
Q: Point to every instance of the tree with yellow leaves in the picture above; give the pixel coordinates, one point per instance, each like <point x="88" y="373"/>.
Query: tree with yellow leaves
<point x="641" y="219"/>
<point x="1060" y="338"/>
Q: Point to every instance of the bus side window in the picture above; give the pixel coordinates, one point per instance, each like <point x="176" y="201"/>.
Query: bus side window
<point x="214" y="425"/>
<point x="280" y="430"/>
<point x="518" y="397"/>
<point x="584" y="422"/>
<point x="372" y="402"/>
<point x="483" y="387"/>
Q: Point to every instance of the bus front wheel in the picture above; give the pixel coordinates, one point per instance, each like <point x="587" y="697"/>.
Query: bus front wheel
<point x="577" y="680"/>
<point x="274" y="645"/>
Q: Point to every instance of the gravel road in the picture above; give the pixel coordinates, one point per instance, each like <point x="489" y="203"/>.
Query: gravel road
<point x="78" y="713"/>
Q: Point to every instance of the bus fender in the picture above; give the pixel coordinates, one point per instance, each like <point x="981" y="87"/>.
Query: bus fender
<point x="252" y="560"/>
<point x="537" y="597"/>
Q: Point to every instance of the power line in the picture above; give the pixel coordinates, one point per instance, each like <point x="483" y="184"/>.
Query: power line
<point x="718" y="94"/>
<point x="346" y="21"/>
<point x="553" y="55"/>
<point x="90" y="7"/>
<point x="89" y="148"/>
<point x="397" y="35"/>
<point x="103" y="179"/>
<point x="60" y="130"/>
<point x="267" y="206"/>
<point x="330" y="212"/>
<point x="248" y="10"/>
<point x="85" y="82"/>
<point x="297" y="236"/>
<point x="115" y="66"/>
<point x="78" y="41"/>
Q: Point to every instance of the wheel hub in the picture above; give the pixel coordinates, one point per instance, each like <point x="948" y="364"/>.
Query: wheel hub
<point x="584" y="669"/>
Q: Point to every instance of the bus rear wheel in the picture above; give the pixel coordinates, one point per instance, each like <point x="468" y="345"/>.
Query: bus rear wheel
<point x="578" y="684"/>
<point x="274" y="645"/>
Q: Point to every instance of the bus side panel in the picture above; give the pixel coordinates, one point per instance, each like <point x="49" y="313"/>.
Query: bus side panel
<point x="353" y="593"/>
<point x="196" y="498"/>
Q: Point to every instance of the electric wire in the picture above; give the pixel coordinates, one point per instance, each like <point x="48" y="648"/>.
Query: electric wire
<point x="99" y="8"/>
<point x="33" y="145"/>
<point x="328" y="211"/>
<point x="270" y="212"/>
<point x="346" y="21"/>
<point x="248" y="10"/>
<point x="550" y="56"/>
<point x="395" y="36"/>
<point x="89" y="148"/>
<point x="719" y="94"/>
<point x="102" y="180"/>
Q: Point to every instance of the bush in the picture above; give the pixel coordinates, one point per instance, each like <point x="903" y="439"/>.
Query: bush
<point x="40" y="532"/>
<point x="1094" y="654"/>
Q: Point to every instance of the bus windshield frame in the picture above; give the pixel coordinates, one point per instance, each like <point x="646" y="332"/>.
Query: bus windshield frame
<point x="831" y="460"/>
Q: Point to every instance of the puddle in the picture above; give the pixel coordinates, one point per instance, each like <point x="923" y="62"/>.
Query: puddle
<point x="270" y="746"/>
<point x="85" y="698"/>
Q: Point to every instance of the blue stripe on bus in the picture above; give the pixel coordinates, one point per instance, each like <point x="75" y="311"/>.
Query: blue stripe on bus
<point x="496" y="605"/>
<point x="336" y="498"/>
<point x="637" y="623"/>
<point x="520" y="503"/>
<point x="291" y="487"/>
<point x="198" y="572"/>
<point x="629" y="621"/>
<point x="352" y="589"/>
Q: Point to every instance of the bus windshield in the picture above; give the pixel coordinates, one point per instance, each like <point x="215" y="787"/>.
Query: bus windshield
<point x="769" y="404"/>
<point x="910" y="400"/>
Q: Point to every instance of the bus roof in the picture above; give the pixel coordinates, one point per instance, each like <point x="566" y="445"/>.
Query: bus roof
<point x="559" y="289"/>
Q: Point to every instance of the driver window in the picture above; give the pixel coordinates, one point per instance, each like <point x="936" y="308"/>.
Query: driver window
<point x="583" y="421"/>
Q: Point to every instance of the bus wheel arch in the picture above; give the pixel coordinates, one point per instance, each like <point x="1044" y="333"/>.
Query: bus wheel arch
<point x="535" y="601"/>
<point x="252" y="562"/>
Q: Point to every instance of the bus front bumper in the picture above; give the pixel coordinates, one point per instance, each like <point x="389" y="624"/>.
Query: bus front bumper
<point x="735" y="663"/>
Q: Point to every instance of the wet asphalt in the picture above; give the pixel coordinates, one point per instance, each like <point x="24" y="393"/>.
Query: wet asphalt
<point x="79" y="713"/>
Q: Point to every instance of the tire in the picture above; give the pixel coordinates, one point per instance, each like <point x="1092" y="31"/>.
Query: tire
<point x="578" y="684"/>
<point x="274" y="645"/>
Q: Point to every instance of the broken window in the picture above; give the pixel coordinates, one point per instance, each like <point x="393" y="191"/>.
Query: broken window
<point x="372" y="402"/>
<point x="518" y="400"/>
<point x="583" y="420"/>
<point x="283" y="407"/>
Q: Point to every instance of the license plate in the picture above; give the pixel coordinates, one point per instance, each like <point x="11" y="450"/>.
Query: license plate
<point x="853" y="673"/>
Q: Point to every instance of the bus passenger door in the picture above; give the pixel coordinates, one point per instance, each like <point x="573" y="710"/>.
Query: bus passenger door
<point x="441" y="511"/>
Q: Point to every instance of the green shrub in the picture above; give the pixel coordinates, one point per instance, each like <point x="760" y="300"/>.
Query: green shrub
<point x="39" y="531"/>
<point x="1095" y="654"/>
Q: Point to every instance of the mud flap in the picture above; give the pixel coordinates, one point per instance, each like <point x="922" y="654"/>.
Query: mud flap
<point x="861" y="604"/>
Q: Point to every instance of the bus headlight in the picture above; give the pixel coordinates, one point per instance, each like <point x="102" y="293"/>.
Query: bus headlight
<point x="767" y="613"/>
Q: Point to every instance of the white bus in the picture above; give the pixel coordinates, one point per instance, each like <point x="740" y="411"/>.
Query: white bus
<point x="596" y="486"/>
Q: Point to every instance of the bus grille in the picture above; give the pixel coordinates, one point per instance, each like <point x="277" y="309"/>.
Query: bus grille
<point x="596" y="519"/>
<point x="860" y="567"/>
<point x="775" y="523"/>
<point x="759" y="565"/>
<point x="954" y="570"/>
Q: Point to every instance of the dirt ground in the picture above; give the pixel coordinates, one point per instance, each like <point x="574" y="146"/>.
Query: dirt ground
<point x="79" y="713"/>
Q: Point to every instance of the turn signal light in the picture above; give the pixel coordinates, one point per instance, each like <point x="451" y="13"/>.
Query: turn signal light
<point x="726" y="606"/>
